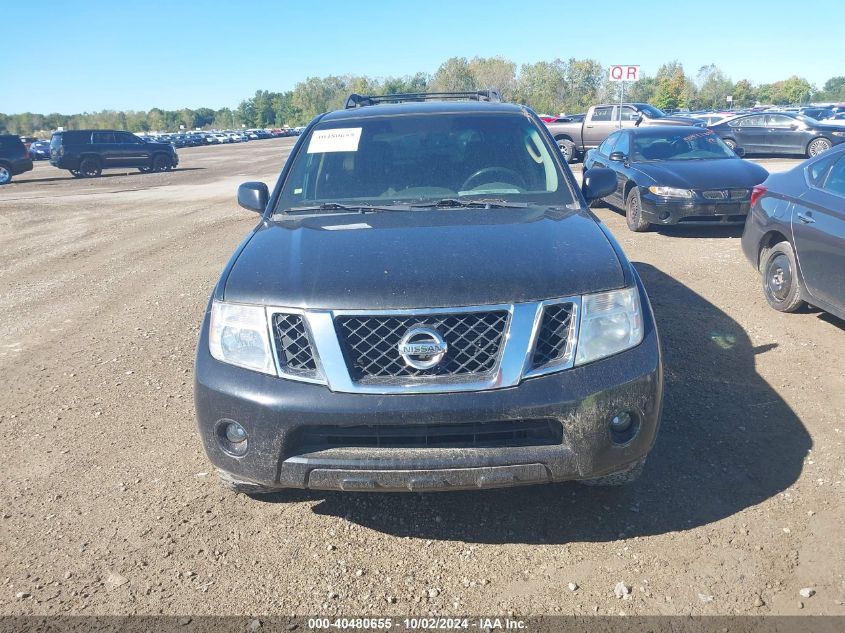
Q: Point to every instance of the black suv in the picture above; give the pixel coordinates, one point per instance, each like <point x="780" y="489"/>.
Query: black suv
<point x="14" y="158"/>
<point x="427" y="303"/>
<point x="86" y="153"/>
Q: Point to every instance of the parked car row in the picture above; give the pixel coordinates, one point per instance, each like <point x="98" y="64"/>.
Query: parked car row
<point x="218" y="137"/>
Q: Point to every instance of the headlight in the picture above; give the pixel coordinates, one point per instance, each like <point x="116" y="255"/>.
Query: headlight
<point x="838" y="133"/>
<point x="670" y="192"/>
<point x="238" y="335"/>
<point x="611" y="322"/>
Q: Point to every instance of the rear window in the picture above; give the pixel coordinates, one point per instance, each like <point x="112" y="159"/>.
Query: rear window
<point x="425" y="157"/>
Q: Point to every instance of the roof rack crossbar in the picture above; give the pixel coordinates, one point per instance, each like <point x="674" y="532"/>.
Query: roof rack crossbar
<point x="358" y="101"/>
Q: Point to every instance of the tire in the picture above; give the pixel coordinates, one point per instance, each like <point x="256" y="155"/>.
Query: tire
<point x="730" y="143"/>
<point x="5" y="174"/>
<point x="779" y="274"/>
<point x="90" y="167"/>
<point x="817" y="146"/>
<point x="621" y="478"/>
<point x="75" y="173"/>
<point x="567" y="148"/>
<point x="161" y="163"/>
<point x="634" y="212"/>
<point x="244" y="487"/>
<point x="145" y="170"/>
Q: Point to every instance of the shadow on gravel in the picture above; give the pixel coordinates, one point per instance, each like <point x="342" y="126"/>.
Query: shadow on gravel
<point x="728" y="442"/>
<point x="134" y="172"/>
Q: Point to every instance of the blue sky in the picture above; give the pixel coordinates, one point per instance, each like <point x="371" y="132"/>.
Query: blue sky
<point x="72" y="57"/>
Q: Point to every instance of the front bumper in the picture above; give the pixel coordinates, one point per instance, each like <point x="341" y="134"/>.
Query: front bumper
<point x="697" y="210"/>
<point x="276" y="412"/>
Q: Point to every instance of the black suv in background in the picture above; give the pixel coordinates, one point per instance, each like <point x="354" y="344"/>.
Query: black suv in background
<point x="427" y="303"/>
<point x="14" y="158"/>
<point x="86" y="153"/>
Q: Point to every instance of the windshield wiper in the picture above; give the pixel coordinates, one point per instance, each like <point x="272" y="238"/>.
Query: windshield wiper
<point x="476" y="203"/>
<point x="347" y="208"/>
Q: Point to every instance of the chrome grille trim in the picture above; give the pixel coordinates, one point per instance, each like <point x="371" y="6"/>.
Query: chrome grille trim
<point x="514" y="362"/>
<point x="565" y="360"/>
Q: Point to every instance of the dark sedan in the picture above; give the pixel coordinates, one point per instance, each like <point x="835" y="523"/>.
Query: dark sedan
<point x="676" y="174"/>
<point x="795" y="235"/>
<point x="780" y="133"/>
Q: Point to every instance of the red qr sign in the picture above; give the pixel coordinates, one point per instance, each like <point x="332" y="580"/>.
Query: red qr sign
<point x="624" y="73"/>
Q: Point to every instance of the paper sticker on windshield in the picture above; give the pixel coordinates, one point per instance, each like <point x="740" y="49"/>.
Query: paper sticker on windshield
<point x="343" y="139"/>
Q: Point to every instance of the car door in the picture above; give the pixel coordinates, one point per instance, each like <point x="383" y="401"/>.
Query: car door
<point x="133" y="151"/>
<point x="785" y="134"/>
<point x="106" y="147"/>
<point x="599" y="126"/>
<point x="750" y="132"/>
<point x="818" y="227"/>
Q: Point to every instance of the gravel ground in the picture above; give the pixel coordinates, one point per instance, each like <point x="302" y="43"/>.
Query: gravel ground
<point x="110" y="507"/>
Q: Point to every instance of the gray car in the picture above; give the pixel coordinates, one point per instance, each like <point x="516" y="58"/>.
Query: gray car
<point x="795" y="235"/>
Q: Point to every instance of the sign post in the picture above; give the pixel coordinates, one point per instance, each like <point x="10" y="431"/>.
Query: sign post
<point x="623" y="73"/>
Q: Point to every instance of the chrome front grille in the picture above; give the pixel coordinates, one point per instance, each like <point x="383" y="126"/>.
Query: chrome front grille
<point x="476" y="347"/>
<point x="371" y="343"/>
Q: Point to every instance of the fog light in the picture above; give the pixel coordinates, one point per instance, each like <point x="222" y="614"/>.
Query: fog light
<point x="620" y="422"/>
<point x="235" y="433"/>
<point x="232" y="437"/>
<point x="624" y="427"/>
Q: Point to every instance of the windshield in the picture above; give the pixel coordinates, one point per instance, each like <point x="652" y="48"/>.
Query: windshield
<point x="422" y="158"/>
<point x="650" y="111"/>
<point x="683" y="145"/>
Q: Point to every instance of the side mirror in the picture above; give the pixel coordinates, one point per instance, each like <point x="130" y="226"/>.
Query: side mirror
<point x="598" y="183"/>
<point x="253" y="196"/>
<point x="794" y="126"/>
<point x="617" y="157"/>
<point x="739" y="151"/>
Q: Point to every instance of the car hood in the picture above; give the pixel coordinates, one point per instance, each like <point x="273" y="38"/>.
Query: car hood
<point x="726" y="173"/>
<point x="673" y="120"/>
<point x="426" y="258"/>
<point x="830" y="126"/>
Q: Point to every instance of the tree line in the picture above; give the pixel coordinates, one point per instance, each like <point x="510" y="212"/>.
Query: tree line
<point x="553" y="87"/>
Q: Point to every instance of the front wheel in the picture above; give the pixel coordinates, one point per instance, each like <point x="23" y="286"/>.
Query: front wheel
<point x="567" y="148"/>
<point x="781" y="285"/>
<point x="162" y="163"/>
<point x="817" y="146"/>
<point x="634" y="212"/>
<point x="5" y="175"/>
<point x="730" y="143"/>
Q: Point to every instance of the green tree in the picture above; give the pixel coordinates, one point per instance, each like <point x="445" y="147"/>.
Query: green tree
<point x="494" y="72"/>
<point x="744" y="94"/>
<point x="642" y="91"/>
<point x="713" y="88"/>
<point x="833" y="90"/>
<point x="542" y="86"/>
<point x="316" y="95"/>
<point x="454" y="75"/>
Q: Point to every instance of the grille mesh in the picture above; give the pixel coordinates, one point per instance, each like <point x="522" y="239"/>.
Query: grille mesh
<point x="370" y="343"/>
<point x="505" y="433"/>
<point x="293" y="345"/>
<point x="554" y="339"/>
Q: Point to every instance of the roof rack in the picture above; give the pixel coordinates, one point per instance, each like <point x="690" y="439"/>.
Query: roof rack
<point x="359" y="101"/>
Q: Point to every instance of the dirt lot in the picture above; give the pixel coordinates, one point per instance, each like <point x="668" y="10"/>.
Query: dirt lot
<point x="109" y="505"/>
